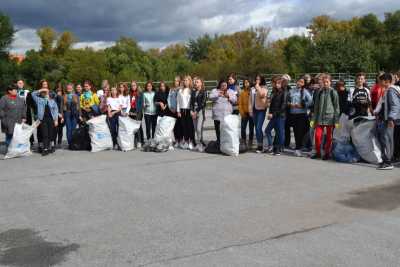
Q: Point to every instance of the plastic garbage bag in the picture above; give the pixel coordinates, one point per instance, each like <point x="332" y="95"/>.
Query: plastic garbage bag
<point x="230" y="135"/>
<point x="344" y="132"/>
<point x="99" y="132"/>
<point x="126" y="133"/>
<point x="20" y="145"/>
<point x="345" y="152"/>
<point x="164" y="131"/>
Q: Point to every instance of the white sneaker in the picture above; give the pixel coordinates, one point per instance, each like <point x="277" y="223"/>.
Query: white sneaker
<point x="297" y="153"/>
<point x="185" y="146"/>
<point x="182" y="145"/>
<point x="171" y="148"/>
<point x="176" y="145"/>
<point x="200" y="148"/>
<point x="139" y="145"/>
<point x="190" y="146"/>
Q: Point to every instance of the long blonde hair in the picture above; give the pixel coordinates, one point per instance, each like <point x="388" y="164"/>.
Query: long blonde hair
<point x="190" y="81"/>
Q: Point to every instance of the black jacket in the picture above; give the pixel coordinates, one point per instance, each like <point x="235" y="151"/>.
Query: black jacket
<point x="198" y="101"/>
<point x="163" y="98"/>
<point x="278" y="103"/>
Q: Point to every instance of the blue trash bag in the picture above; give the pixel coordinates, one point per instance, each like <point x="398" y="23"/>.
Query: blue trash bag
<point x="345" y="152"/>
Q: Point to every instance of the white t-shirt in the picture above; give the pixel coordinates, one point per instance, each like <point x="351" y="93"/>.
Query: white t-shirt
<point x="114" y="103"/>
<point x="183" y="99"/>
<point x="126" y="103"/>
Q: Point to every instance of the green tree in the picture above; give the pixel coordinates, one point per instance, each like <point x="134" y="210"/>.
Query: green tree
<point x="64" y="42"/>
<point x="47" y="37"/>
<point x="197" y="49"/>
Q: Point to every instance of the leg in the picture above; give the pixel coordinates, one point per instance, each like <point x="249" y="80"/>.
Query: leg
<point x="328" y="144"/>
<point x="288" y="124"/>
<point x="260" y="118"/>
<point x="268" y="131"/>
<point x="147" y="121"/>
<point x="319" y="131"/>
<point x="217" y="130"/>
<point x="8" y="139"/>
<point x="68" y="126"/>
<point x="280" y="130"/>
<point x="200" y="126"/>
<point x="153" y="125"/>
<point x="251" y="129"/>
<point x="243" y="127"/>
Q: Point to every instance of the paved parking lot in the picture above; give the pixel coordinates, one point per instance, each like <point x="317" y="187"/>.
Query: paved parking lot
<point x="184" y="208"/>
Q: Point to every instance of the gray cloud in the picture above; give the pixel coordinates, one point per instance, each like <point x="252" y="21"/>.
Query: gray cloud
<point x="160" y="22"/>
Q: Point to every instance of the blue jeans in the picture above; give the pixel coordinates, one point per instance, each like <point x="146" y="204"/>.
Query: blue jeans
<point x="259" y="118"/>
<point x="8" y="139"/>
<point x="277" y="124"/>
<point x="70" y="123"/>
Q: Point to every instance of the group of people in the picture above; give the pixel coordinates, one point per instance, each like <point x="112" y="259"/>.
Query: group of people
<point x="311" y="108"/>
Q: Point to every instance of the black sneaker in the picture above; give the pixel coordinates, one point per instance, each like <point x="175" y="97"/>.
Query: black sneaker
<point x="45" y="152"/>
<point x="385" y="166"/>
<point x="259" y="149"/>
<point x="277" y="153"/>
<point x="315" y="156"/>
<point x="326" y="157"/>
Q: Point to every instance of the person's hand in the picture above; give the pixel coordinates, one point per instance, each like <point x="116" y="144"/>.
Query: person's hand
<point x="62" y="120"/>
<point x="55" y="123"/>
<point x="251" y="114"/>
<point x="194" y="115"/>
<point x="390" y="124"/>
<point x="23" y="120"/>
<point x="179" y="114"/>
<point x="312" y="124"/>
<point x="270" y="116"/>
<point x="80" y="118"/>
<point x="221" y="93"/>
<point x="337" y="126"/>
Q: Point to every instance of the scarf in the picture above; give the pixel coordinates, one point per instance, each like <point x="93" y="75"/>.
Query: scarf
<point x="87" y="95"/>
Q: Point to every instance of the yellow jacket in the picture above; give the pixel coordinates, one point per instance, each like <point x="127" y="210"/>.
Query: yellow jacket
<point x="243" y="103"/>
<point x="88" y="102"/>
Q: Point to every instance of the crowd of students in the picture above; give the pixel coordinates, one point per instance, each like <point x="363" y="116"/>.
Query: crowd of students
<point x="311" y="108"/>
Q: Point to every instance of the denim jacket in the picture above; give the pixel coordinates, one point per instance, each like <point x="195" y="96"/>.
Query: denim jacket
<point x="41" y="104"/>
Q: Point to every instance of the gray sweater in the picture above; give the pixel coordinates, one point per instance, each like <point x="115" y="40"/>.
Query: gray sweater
<point x="12" y="111"/>
<point x="221" y="105"/>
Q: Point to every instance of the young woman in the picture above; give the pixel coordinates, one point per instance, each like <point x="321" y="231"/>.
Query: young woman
<point x="47" y="114"/>
<point x="343" y="94"/>
<point x="114" y="111"/>
<point x="149" y="110"/>
<point x="325" y="116"/>
<point x="198" y="111"/>
<point x="89" y="102"/>
<point x="136" y="112"/>
<point x="299" y="101"/>
<point x="183" y="111"/>
<point x="12" y="111"/>
<point x="60" y="104"/>
<point x="71" y="111"/>
<point x="104" y="84"/>
<point x="161" y="100"/>
<point x="78" y="90"/>
<point x="172" y="104"/>
<point x="223" y="101"/>
<point x="103" y="100"/>
<point x="123" y="91"/>
<point x="258" y="108"/>
<point x="276" y="117"/>
<point x="244" y="106"/>
<point x="232" y="85"/>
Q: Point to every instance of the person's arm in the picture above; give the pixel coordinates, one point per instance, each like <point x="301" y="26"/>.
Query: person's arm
<point x="214" y="95"/>
<point x="336" y="106"/>
<point x="283" y="106"/>
<point x="307" y="99"/>
<point x="2" y="107"/>
<point x="35" y="96"/>
<point x="393" y="107"/>
<point x="232" y="97"/>
<point x="203" y="101"/>
<point x="316" y="106"/>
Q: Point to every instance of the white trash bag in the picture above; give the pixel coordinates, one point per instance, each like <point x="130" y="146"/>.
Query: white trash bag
<point x="100" y="136"/>
<point x="164" y="131"/>
<point x="344" y="132"/>
<point x="230" y="135"/>
<point x="126" y="133"/>
<point x="365" y="141"/>
<point x="20" y="145"/>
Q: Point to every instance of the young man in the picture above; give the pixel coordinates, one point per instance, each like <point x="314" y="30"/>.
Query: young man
<point x="325" y="116"/>
<point x="359" y="98"/>
<point x="388" y="115"/>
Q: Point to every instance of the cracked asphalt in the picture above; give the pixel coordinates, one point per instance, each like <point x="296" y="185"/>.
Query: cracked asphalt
<point x="184" y="208"/>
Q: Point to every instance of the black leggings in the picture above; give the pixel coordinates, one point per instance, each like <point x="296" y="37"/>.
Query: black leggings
<point x="113" y="123"/>
<point x="217" y="130"/>
<point x="187" y="125"/>
<point x="47" y="131"/>
<point x="151" y="123"/>
<point x="300" y="125"/>
<point x="58" y="136"/>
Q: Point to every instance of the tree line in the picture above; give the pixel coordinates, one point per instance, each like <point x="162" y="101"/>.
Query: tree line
<point x="364" y="43"/>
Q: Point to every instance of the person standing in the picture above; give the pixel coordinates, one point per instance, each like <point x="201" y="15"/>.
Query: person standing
<point x="183" y="112"/>
<point x="59" y="98"/>
<point x="198" y="112"/>
<point x="161" y="100"/>
<point x="71" y="111"/>
<point x="258" y="108"/>
<point x="325" y="116"/>
<point x="172" y="103"/>
<point x="234" y="87"/>
<point x="48" y="116"/>
<point x="246" y="118"/>
<point x="136" y="112"/>
<point x="89" y="102"/>
<point x="30" y="105"/>
<point x="359" y="98"/>
<point x="388" y="115"/>
<point x="223" y="101"/>
<point x="114" y="104"/>
<point x="12" y="111"/>
<point x="149" y="110"/>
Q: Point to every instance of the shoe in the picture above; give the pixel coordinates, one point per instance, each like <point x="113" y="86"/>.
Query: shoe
<point x="259" y="149"/>
<point x="45" y="152"/>
<point x="182" y="145"/>
<point x="250" y="144"/>
<point x="139" y="145"/>
<point x="297" y="153"/>
<point x="176" y="145"/>
<point x="277" y="153"/>
<point x="315" y="156"/>
<point x="385" y="166"/>
<point x="190" y="146"/>
<point x="200" y="148"/>
<point x="185" y="146"/>
<point x="269" y="150"/>
<point x="171" y="148"/>
<point x="326" y="157"/>
<point x="53" y="149"/>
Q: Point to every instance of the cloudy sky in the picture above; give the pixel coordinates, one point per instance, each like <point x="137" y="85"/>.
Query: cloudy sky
<point x="157" y="23"/>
